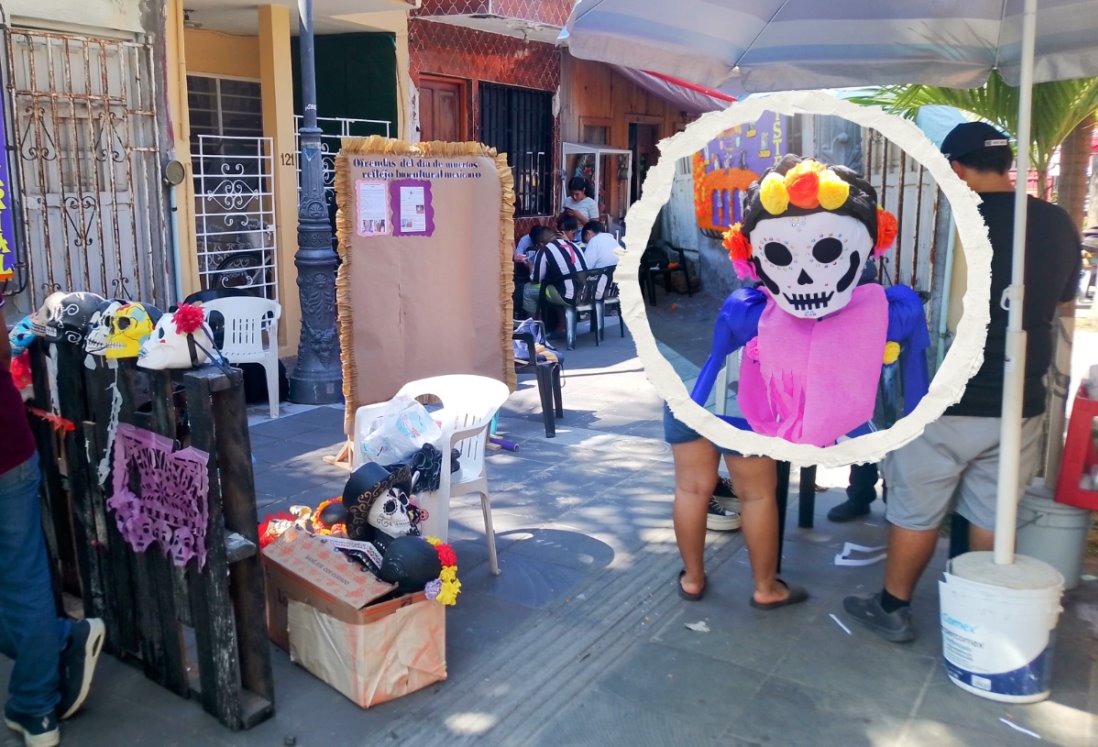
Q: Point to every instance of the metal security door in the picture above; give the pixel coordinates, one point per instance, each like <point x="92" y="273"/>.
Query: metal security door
<point x="86" y="150"/>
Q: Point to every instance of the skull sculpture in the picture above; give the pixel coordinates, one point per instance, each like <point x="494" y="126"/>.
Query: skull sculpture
<point x="174" y="344"/>
<point x="811" y="263"/>
<point x="71" y="320"/>
<point x="131" y="325"/>
<point x="377" y="504"/>
<point x="48" y="313"/>
<point x="99" y="326"/>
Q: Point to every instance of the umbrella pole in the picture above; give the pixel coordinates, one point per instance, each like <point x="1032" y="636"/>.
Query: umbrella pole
<point x="1010" y="441"/>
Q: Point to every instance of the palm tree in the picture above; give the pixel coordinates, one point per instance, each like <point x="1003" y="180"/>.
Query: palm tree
<point x="1063" y="113"/>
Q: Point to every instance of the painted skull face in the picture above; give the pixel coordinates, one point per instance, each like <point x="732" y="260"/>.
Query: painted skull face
<point x="166" y="349"/>
<point x="71" y="320"/>
<point x="99" y="327"/>
<point x="22" y="335"/>
<point x="49" y="312"/>
<point x="130" y="327"/>
<point x="811" y="263"/>
<point x="389" y="513"/>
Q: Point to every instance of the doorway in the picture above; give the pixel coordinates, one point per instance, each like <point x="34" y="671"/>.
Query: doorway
<point x="442" y="110"/>
<point x="642" y="142"/>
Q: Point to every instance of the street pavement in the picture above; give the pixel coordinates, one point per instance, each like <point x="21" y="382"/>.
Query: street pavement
<point x="583" y="639"/>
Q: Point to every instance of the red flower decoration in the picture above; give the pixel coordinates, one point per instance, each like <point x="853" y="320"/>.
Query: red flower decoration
<point x="886" y="231"/>
<point x="188" y="318"/>
<point x="21" y="371"/>
<point x="804" y="190"/>
<point x="739" y="248"/>
<point x="446" y="555"/>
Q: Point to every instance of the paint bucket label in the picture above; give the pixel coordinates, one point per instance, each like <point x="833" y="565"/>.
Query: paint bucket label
<point x="998" y="641"/>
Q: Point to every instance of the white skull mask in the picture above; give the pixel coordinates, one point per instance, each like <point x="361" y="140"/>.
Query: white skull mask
<point x="166" y="348"/>
<point x="811" y="263"/>
<point x="389" y="513"/>
<point x="99" y="327"/>
<point x="48" y="315"/>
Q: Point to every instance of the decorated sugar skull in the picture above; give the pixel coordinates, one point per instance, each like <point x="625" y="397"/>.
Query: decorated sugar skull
<point x="49" y="312"/>
<point x="130" y="327"/>
<point x="180" y="339"/>
<point x="807" y="232"/>
<point x="377" y="504"/>
<point x="96" y="339"/>
<point x="22" y="335"/>
<point x="71" y="321"/>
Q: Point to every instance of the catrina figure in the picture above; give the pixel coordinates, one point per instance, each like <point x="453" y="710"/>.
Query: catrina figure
<point x="815" y="341"/>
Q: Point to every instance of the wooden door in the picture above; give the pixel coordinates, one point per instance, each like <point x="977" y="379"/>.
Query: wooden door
<point x="442" y="112"/>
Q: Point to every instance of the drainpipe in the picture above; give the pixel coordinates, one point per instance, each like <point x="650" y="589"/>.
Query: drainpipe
<point x="173" y="175"/>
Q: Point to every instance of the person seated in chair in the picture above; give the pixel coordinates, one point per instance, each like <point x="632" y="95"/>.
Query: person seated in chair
<point x="555" y="263"/>
<point x="600" y="249"/>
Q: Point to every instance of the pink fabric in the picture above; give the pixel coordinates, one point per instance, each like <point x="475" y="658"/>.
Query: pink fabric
<point x="160" y="495"/>
<point x="811" y="381"/>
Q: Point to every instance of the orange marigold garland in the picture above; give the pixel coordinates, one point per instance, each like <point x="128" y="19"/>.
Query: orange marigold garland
<point x="319" y="527"/>
<point x="887" y="228"/>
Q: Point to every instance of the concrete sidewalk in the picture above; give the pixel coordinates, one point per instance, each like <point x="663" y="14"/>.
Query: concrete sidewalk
<point x="583" y="639"/>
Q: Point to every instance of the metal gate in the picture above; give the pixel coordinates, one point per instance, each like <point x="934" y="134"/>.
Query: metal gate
<point x="87" y="154"/>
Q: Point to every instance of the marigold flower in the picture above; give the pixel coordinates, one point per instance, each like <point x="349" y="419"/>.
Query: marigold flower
<point x="886" y="231"/>
<point x="892" y="352"/>
<point x="833" y="191"/>
<point x="446" y="555"/>
<point x="188" y="318"/>
<point x="773" y="194"/>
<point x="803" y="188"/>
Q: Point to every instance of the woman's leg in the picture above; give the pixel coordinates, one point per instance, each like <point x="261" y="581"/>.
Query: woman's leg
<point x="695" y="477"/>
<point x="756" y="482"/>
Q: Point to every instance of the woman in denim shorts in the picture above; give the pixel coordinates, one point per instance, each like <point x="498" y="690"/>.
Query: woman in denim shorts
<point x="756" y="481"/>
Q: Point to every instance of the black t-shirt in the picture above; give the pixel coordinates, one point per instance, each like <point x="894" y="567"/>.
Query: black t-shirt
<point x="1053" y="256"/>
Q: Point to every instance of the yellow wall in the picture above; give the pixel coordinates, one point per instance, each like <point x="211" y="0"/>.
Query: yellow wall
<point x="217" y="53"/>
<point x="181" y="132"/>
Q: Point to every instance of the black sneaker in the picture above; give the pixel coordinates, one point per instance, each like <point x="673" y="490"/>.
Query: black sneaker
<point x="721" y="519"/>
<point x="78" y="662"/>
<point x="848" y="510"/>
<point x="893" y="626"/>
<point x="37" y="731"/>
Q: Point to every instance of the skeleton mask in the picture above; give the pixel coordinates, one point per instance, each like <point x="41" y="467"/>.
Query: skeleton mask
<point x="130" y="326"/>
<point x="71" y="320"/>
<point x="99" y="327"/>
<point x="811" y="263"/>
<point x="21" y="336"/>
<point x="165" y="348"/>
<point x="49" y="312"/>
<point x="389" y="513"/>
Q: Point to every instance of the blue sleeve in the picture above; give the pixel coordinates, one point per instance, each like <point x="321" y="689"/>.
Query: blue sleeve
<point x="907" y="327"/>
<point x="737" y="323"/>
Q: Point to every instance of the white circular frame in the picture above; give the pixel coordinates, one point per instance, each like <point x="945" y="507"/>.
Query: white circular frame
<point x="960" y="363"/>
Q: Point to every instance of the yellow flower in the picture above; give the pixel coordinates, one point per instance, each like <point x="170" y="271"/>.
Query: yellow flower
<point x="449" y="574"/>
<point x="449" y="592"/>
<point x="433" y="540"/>
<point x="892" y="352"/>
<point x="833" y="191"/>
<point x="773" y="195"/>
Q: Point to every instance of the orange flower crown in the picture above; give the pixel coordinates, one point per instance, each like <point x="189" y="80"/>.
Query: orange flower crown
<point x="808" y="186"/>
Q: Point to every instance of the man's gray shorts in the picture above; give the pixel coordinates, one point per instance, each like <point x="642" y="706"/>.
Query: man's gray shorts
<point x="956" y="458"/>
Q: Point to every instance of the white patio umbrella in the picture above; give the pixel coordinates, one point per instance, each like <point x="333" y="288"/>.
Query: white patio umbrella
<point x="774" y="45"/>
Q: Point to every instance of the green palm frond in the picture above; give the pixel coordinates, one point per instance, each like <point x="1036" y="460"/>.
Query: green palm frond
<point x="1058" y="107"/>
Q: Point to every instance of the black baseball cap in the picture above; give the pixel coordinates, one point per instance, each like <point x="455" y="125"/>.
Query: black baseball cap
<point x="970" y="137"/>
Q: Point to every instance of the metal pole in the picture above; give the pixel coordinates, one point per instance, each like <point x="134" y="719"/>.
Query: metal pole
<point x="317" y="377"/>
<point x="1010" y="440"/>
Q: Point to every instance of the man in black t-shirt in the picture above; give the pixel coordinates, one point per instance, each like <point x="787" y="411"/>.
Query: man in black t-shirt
<point x="958" y="454"/>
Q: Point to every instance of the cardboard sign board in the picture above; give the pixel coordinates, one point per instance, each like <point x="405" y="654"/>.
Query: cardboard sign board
<point x="426" y="236"/>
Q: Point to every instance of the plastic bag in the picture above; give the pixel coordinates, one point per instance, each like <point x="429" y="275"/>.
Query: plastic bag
<point x="402" y="429"/>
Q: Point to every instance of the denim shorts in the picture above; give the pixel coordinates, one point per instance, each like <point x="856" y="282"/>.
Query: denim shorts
<point x="677" y="432"/>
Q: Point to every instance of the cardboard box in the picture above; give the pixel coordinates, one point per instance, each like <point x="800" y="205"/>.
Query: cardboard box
<point x="321" y="609"/>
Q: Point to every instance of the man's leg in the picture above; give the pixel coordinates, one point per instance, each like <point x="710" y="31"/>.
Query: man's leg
<point x="30" y="632"/>
<point x="909" y="552"/>
<point x="695" y="476"/>
<point x="860" y="492"/>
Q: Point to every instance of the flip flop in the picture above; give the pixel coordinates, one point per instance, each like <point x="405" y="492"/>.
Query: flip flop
<point x="686" y="594"/>
<point x="796" y="596"/>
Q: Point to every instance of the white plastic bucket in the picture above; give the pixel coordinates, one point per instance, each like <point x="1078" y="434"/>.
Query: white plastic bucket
<point x="997" y="625"/>
<point x="1054" y="533"/>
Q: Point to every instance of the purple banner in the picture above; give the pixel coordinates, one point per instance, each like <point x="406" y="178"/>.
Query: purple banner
<point x="413" y="212"/>
<point x="7" y="219"/>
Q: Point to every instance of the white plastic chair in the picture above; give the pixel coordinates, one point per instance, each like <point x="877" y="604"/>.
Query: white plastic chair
<point x="468" y="405"/>
<point x="251" y="335"/>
